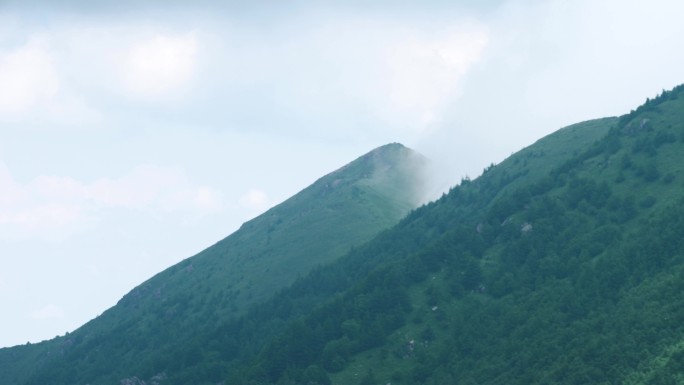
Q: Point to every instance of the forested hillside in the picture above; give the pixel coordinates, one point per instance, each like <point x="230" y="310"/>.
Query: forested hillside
<point x="570" y="275"/>
<point x="563" y="264"/>
<point x="573" y="275"/>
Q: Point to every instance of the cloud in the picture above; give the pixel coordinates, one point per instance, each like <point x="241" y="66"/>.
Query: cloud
<point x="27" y="78"/>
<point x="34" y="90"/>
<point x="156" y="66"/>
<point x="143" y="186"/>
<point x="10" y="191"/>
<point x="344" y="72"/>
<point x="314" y="71"/>
<point x="208" y="198"/>
<point x="48" y="312"/>
<point x="548" y="64"/>
<point x="425" y="72"/>
<point x="255" y="199"/>
<point x="53" y="207"/>
<point x="84" y="75"/>
<point x="42" y="216"/>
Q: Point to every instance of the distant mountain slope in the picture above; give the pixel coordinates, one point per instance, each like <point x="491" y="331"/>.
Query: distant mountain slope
<point x="262" y="345"/>
<point x="321" y="223"/>
<point x="563" y="264"/>
<point x="573" y="275"/>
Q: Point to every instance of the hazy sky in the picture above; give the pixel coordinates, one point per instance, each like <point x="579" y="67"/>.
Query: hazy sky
<point x="135" y="134"/>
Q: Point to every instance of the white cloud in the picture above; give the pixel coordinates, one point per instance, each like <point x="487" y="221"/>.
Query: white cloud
<point x="42" y="216"/>
<point x="33" y="88"/>
<point x="208" y="199"/>
<point x="27" y="78"/>
<point x="424" y="72"/>
<point x="586" y="59"/>
<point x="10" y="191"/>
<point x="255" y="199"/>
<point x="74" y="75"/>
<point x="53" y="207"/>
<point x="48" y="312"/>
<point x="143" y="186"/>
<point x="342" y="72"/>
<point x="159" y="65"/>
<point x="22" y="213"/>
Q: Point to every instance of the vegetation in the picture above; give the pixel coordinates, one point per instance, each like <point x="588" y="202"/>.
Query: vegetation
<point x="315" y="227"/>
<point x="563" y="264"/>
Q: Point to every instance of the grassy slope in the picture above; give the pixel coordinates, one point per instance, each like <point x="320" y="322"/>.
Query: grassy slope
<point x="538" y="160"/>
<point x="591" y="294"/>
<point x="526" y="166"/>
<point x="350" y="282"/>
<point x="316" y="226"/>
<point x="606" y="311"/>
<point x="458" y="292"/>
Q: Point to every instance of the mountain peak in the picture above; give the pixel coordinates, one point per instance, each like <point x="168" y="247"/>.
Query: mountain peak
<point x="394" y="146"/>
<point x="317" y="226"/>
<point x="372" y="192"/>
<point x="391" y="152"/>
<point x="392" y="171"/>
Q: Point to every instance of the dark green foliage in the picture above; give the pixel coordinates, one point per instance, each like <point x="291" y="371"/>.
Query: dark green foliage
<point x="543" y="270"/>
<point x="369" y="378"/>
<point x="313" y="375"/>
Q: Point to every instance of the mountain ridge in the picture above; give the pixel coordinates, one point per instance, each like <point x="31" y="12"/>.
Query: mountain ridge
<point x="551" y="248"/>
<point x="562" y="264"/>
<point x="314" y="227"/>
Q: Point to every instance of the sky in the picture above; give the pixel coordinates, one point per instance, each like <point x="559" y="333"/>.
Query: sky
<point x="134" y="134"/>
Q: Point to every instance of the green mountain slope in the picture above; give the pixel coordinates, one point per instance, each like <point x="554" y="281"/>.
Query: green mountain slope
<point x="315" y="227"/>
<point x="524" y="276"/>
<point x="572" y="277"/>
<point x="251" y="347"/>
<point x="563" y="264"/>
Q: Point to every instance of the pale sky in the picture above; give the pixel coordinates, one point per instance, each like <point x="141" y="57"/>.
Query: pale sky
<point x="136" y="134"/>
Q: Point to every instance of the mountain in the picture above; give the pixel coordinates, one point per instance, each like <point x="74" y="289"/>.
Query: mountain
<point x="319" y="224"/>
<point x="316" y="226"/>
<point x="563" y="264"/>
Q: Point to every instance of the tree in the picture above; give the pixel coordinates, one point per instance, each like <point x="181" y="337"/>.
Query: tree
<point x="314" y="375"/>
<point x="368" y="378"/>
